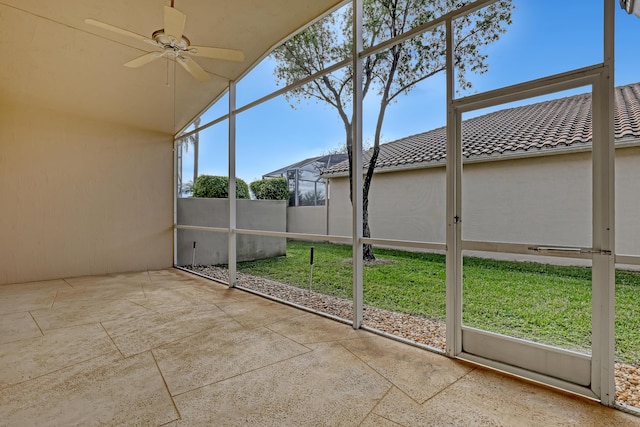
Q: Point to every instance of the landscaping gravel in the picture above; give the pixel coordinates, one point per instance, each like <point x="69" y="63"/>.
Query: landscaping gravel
<point x="418" y="329"/>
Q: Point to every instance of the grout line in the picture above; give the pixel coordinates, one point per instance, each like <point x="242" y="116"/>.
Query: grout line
<point x="191" y="335"/>
<point x="391" y="386"/>
<point x="245" y="372"/>
<point x="451" y="384"/>
<point x="114" y="343"/>
<point x="435" y="394"/>
<point x="6" y="386"/>
<point x="400" y="389"/>
<point x="176" y="340"/>
<point x="236" y="320"/>
<point x="165" y="385"/>
<point x="328" y="341"/>
<point x="305" y="345"/>
<point x="94" y="321"/>
<point x="54" y="300"/>
<point x="141" y="306"/>
<point x="36" y="322"/>
<point x="374" y="370"/>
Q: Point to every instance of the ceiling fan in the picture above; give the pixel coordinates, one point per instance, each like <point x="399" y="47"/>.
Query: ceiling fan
<point x="173" y="44"/>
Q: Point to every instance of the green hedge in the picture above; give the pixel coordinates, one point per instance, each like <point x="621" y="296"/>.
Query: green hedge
<point x="217" y="187"/>
<point x="270" y="189"/>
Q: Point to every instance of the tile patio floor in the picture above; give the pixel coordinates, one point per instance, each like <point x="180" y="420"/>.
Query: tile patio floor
<point x="168" y="348"/>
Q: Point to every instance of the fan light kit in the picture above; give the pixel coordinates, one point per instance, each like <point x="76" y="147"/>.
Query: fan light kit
<point x="173" y="44"/>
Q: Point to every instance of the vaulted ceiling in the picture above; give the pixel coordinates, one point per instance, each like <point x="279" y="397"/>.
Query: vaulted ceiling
<point x="53" y="59"/>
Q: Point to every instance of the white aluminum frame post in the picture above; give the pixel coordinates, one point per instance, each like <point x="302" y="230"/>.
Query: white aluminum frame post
<point x="232" y="186"/>
<point x="453" y="209"/>
<point x="603" y="270"/>
<point x="356" y="167"/>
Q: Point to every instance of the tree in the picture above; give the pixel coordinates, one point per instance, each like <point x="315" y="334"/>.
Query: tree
<point x="389" y="73"/>
<point x="217" y="187"/>
<point x="270" y="189"/>
<point x="183" y="144"/>
<point x="186" y="189"/>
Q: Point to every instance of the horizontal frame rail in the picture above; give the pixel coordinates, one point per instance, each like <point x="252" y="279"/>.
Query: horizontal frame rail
<point x="272" y="95"/>
<point x="297" y="236"/>
<point x="478" y="4"/>
<point x="320" y="237"/>
<point x="467" y="245"/>
<point x="565" y="365"/>
<point x="405" y="243"/>
<point x="526" y="249"/>
<point x="203" y="127"/>
<point x="441" y="20"/>
<point x="202" y="228"/>
<point x="267" y="233"/>
<point x="628" y="259"/>
<point x="533" y="376"/>
<point x="529" y="89"/>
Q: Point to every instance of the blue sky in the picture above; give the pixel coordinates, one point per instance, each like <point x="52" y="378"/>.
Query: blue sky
<point x="546" y="37"/>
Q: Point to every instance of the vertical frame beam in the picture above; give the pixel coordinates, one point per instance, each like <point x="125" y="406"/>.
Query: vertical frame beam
<point x="175" y="201"/>
<point x="326" y="206"/>
<point x="603" y="271"/>
<point x="196" y="156"/>
<point x="232" y="185"/>
<point x="453" y="209"/>
<point x="356" y="167"/>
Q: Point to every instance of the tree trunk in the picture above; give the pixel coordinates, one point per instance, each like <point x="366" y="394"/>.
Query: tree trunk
<point x="367" y="254"/>
<point x="367" y="251"/>
<point x="366" y="231"/>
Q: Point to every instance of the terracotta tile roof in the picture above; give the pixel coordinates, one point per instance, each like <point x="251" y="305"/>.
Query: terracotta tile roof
<point x="560" y="123"/>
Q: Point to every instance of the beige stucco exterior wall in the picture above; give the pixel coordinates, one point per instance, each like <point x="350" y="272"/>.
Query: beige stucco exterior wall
<point x="307" y="219"/>
<point x="339" y="207"/>
<point x="406" y="205"/>
<point x="628" y="201"/>
<point x="541" y="200"/>
<point x="81" y="196"/>
<point x="536" y="200"/>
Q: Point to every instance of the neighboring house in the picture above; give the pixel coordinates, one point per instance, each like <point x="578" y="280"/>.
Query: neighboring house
<point x="306" y="186"/>
<point x="526" y="178"/>
<point x="308" y="210"/>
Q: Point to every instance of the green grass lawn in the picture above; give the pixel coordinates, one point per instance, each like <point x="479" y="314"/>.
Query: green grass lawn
<point x="540" y="302"/>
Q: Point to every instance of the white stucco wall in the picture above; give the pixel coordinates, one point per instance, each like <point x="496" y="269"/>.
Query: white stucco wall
<point x="81" y="196"/>
<point x="536" y="200"/>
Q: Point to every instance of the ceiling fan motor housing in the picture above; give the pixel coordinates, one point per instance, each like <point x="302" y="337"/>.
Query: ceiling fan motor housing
<point x="170" y="42"/>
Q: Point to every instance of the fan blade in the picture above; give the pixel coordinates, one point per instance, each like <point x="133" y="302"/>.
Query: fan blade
<point x="216" y="53"/>
<point x="174" y="22"/>
<point x="144" y="59"/>
<point x="193" y="68"/>
<point x="117" y="30"/>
